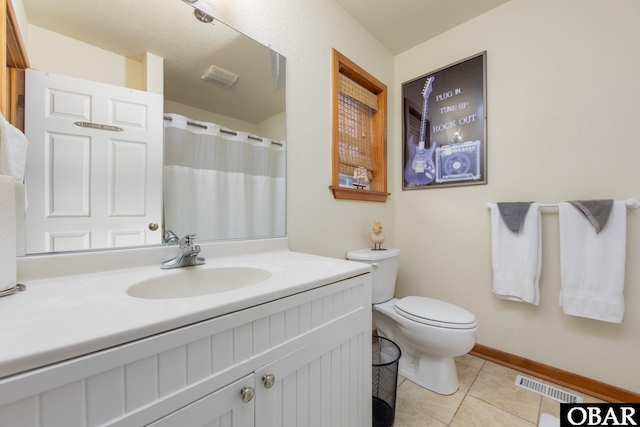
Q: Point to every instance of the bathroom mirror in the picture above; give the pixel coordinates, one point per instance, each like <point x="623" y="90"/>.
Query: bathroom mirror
<point x="242" y="104"/>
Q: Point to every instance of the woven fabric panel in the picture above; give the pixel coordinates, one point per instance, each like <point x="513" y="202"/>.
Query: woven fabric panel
<point x="358" y="92"/>
<point x="355" y="128"/>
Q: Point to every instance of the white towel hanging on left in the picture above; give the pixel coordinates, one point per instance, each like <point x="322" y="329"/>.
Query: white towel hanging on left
<point x="517" y="257"/>
<point x="13" y="152"/>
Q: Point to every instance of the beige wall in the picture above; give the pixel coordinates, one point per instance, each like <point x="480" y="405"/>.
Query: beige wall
<point x="272" y="127"/>
<point x="208" y="116"/>
<point x="58" y="54"/>
<point x="563" y="124"/>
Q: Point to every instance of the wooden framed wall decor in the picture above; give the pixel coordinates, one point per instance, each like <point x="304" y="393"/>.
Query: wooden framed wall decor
<point x="14" y="57"/>
<point x="445" y="126"/>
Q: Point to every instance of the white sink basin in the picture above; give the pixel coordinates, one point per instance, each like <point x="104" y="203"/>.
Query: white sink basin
<point x="195" y="281"/>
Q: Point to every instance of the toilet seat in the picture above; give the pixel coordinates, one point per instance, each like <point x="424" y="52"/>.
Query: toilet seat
<point x="433" y="312"/>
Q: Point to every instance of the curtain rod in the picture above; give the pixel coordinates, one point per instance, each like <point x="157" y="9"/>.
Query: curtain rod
<point x="230" y="132"/>
<point x="631" y="204"/>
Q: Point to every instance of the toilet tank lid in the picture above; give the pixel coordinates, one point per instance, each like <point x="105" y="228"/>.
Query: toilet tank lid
<point x="370" y="254"/>
<point x="434" y="310"/>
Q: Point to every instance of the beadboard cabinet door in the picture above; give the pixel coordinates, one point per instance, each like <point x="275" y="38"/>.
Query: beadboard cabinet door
<point x="223" y="408"/>
<point x="324" y="384"/>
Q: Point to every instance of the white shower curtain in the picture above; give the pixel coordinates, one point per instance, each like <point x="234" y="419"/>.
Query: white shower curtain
<point x="222" y="186"/>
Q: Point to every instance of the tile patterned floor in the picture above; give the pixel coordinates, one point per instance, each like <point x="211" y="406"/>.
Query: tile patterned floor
<point x="487" y="397"/>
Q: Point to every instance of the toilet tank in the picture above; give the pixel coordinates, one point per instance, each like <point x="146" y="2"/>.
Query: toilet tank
<point x="385" y="270"/>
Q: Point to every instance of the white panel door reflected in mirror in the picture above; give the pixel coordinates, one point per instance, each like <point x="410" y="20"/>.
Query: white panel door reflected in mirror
<point x="157" y="47"/>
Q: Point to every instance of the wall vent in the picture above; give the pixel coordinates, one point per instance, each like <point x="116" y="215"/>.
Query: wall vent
<point x="547" y="391"/>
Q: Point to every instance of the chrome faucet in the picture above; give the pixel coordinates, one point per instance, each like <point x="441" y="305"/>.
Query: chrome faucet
<point x="170" y="238"/>
<point x="187" y="256"/>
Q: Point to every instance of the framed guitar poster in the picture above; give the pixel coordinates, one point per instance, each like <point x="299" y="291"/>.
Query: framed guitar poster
<point x="445" y="126"/>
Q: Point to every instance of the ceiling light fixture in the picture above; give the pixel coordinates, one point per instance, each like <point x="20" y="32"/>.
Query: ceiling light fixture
<point x="219" y="75"/>
<point x="202" y="16"/>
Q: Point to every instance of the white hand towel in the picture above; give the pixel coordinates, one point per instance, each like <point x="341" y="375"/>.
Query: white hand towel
<point x="547" y="420"/>
<point x="13" y="151"/>
<point x="7" y="233"/>
<point x="592" y="265"/>
<point x="517" y="258"/>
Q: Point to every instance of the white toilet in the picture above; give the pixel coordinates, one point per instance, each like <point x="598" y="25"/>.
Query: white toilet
<point x="430" y="332"/>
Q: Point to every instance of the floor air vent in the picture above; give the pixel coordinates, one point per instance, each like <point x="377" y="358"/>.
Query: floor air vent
<point x="547" y="391"/>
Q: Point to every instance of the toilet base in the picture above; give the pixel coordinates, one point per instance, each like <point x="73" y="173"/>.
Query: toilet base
<point x="428" y="352"/>
<point x="433" y="373"/>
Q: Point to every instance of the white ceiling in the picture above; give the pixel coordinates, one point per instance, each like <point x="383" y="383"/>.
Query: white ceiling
<point x="168" y="29"/>
<point x="403" y="24"/>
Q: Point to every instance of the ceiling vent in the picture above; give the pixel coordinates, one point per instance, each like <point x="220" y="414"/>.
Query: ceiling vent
<point x="202" y="16"/>
<point x="219" y="75"/>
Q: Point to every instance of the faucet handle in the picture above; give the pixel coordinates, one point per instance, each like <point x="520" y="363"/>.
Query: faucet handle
<point x="187" y="240"/>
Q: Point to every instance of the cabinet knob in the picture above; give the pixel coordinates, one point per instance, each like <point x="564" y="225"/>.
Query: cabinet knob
<point x="153" y="226"/>
<point x="268" y="380"/>
<point x="247" y="394"/>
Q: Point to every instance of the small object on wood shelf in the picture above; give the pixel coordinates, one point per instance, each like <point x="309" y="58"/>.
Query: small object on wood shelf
<point x="377" y="236"/>
<point x="360" y="178"/>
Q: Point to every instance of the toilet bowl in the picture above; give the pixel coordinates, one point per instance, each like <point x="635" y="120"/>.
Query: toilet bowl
<point x="428" y="346"/>
<point x="430" y="332"/>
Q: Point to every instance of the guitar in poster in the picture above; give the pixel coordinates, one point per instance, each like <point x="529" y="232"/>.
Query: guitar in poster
<point x="449" y="144"/>
<point x="419" y="168"/>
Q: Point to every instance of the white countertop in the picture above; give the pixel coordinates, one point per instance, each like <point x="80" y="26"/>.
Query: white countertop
<point x="67" y="315"/>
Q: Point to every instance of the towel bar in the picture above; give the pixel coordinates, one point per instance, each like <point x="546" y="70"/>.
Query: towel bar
<point x="631" y="204"/>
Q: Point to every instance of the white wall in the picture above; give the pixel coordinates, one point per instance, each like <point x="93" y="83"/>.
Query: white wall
<point x="305" y="32"/>
<point x="563" y="124"/>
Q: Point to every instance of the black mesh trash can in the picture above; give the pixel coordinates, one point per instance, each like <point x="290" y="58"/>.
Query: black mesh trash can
<point x="384" y="380"/>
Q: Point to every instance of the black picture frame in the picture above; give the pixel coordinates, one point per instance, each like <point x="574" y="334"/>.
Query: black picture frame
<point x="448" y="147"/>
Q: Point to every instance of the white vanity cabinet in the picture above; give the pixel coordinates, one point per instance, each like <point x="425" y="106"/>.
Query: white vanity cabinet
<point x="326" y="383"/>
<point x="222" y="408"/>
<point x="307" y="358"/>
